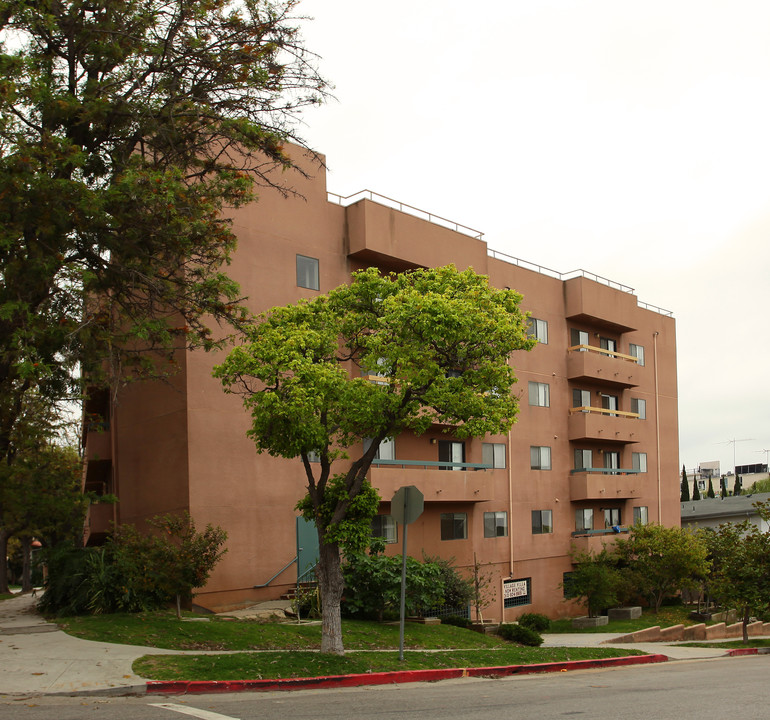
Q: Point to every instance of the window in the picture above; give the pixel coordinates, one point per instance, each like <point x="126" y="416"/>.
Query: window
<point x="639" y="461"/>
<point x="584" y="459"/>
<point x="380" y="370"/>
<point x="578" y="337"/>
<point x="493" y="454"/>
<point x="542" y="522"/>
<point x="639" y="407"/>
<point x="517" y="592"/>
<point x="451" y="451"/>
<point x="612" y="461"/>
<point x="584" y="519"/>
<point x="386" y="450"/>
<point x="538" y="329"/>
<point x="701" y="484"/>
<point x="384" y="526"/>
<point x="640" y="515"/>
<point x="307" y="272"/>
<point x="608" y="344"/>
<point x="581" y="399"/>
<point x="539" y="458"/>
<point x="638" y="352"/>
<point x="611" y="517"/>
<point x="454" y="526"/>
<point x="539" y="394"/>
<point x="568" y="583"/>
<point x="610" y="402"/>
<point x="314" y="456"/>
<point x="495" y="524"/>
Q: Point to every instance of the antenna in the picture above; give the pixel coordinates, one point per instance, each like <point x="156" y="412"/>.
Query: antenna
<point x="733" y="442"/>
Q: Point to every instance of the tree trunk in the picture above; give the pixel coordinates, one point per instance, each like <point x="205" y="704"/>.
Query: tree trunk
<point x="26" y="566"/>
<point x="3" y="560"/>
<point x="330" y="583"/>
<point x="746" y="626"/>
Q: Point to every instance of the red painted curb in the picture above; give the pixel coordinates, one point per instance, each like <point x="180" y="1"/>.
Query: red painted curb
<point x="742" y="651"/>
<point x="180" y="687"/>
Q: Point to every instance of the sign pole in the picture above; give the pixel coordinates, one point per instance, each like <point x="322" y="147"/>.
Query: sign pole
<point x="403" y="598"/>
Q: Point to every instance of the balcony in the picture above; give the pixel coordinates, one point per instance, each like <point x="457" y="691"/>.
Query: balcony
<point x="604" y="484"/>
<point x="98" y="445"/>
<point x="609" y="426"/>
<point x="99" y="521"/>
<point x="605" y="367"/>
<point x="438" y="481"/>
<point x="599" y="305"/>
<point x="593" y="541"/>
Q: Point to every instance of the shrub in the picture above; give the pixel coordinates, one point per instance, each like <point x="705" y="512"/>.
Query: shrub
<point x="456" y="620"/>
<point x="520" y="634"/>
<point x="535" y="621"/>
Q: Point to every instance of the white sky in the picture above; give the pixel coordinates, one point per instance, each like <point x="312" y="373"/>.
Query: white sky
<point x="630" y="139"/>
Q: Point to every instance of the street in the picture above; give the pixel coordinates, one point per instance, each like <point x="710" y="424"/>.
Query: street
<point x="708" y="689"/>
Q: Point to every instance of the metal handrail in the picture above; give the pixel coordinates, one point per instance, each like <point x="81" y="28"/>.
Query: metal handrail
<point x="610" y="531"/>
<point x="346" y="200"/>
<point x="425" y="464"/>
<point x="285" y="567"/>
<point x="588" y="409"/>
<point x="606" y="471"/>
<point x="602" y="351"/>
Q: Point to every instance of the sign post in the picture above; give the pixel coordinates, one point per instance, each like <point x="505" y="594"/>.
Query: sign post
<point x="405" y="507"/>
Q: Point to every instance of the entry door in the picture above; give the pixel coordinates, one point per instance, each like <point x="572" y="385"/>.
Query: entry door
<point x="307" y="545"/>
<point x="451" y="451"/>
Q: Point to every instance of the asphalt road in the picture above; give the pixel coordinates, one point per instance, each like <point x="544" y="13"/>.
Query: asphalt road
<point x="705" y="689"/>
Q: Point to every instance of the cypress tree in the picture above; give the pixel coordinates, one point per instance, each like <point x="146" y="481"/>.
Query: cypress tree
<point x="685" y="487"/>
<point x="710" y="492"/>
<point x="695" y="490"/>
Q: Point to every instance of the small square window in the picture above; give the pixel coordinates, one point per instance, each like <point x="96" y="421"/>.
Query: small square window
<point x="538" y="329"/>
<point x="639" y="461"/>
<point x="454" y="526"/>
<point x="493" y="454"/>
<point x="584" y="519"/>
<point x="539" y="458"/>
<point x="637" y="351"/>
<point x="307" y="272"/>
<point x="539" y="394"/>
<point x="639" y="407"/>
<point x="640" y="515"/>
<point x="384" y="526"/>
<point x="495" y="524"/>
<point x="542" y="522"/>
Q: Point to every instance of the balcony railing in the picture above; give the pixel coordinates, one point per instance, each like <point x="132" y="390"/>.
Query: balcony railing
<point x="431" y="465"/>
<point x="606" y="471"/>
<point x="602" y="351"/>
<point x="603" y="411"/>
<point x="605" y="531"/>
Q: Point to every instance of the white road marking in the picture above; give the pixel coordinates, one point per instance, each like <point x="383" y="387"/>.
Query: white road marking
<point x="195" y="712"/>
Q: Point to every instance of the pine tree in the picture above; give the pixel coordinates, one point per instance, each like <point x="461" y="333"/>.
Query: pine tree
<point x="685" y="496"/>
<point x="710" y="492"/>
<point x="695" y="490"/>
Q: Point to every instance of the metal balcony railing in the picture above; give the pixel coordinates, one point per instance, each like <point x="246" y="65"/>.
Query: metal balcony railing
<point x="606" y="531"/>
<point x="602" y="351"/>
<point x="430" y="464"/>
<point x="607" y="471"/>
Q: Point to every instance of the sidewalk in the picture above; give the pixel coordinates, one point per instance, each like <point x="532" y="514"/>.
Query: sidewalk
<point x="37" y="658"/>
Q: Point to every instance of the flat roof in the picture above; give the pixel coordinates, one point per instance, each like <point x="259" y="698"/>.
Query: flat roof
<point x="721" y="507"/>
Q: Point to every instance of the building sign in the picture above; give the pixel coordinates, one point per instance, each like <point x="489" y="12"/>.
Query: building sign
<point x="514" y="589"/>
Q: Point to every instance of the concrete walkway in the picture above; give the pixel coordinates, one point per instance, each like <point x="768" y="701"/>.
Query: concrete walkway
<point x="37" y="658"/>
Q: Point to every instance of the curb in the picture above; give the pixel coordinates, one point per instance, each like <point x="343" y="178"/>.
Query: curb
<point x="181" y="687"/>
<point x="748" y="651"/>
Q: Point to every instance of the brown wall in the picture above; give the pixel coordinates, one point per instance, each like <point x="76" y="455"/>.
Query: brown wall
<point x="185" y="447"/>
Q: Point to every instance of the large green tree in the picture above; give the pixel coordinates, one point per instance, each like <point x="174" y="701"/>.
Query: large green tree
<point x="371" y="359"/>
<point x="740" y="573"/>
<point x="126" y="128"/>
<point x="663" y="560"/>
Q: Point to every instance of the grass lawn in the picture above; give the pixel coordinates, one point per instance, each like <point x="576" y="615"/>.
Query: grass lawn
<point x="668" y="616"/>
<point x="291" y="647"/>
<point x="257" y="666"/>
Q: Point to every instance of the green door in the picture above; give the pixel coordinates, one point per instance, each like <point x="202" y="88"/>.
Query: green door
<point x="307" y="546"/>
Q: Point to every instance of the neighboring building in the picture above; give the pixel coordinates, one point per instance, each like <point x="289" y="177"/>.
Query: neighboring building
<point x="712" y="512"/>
<point x="595" y="448"/>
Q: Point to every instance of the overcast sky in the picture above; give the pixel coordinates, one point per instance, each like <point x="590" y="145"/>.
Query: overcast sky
<point x="629" y="139"/>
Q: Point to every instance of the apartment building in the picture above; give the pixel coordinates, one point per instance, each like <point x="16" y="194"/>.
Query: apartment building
<point x="595" y="448"/>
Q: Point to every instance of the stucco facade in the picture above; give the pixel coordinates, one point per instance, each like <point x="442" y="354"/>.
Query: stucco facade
<point x="603" y="382"/>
